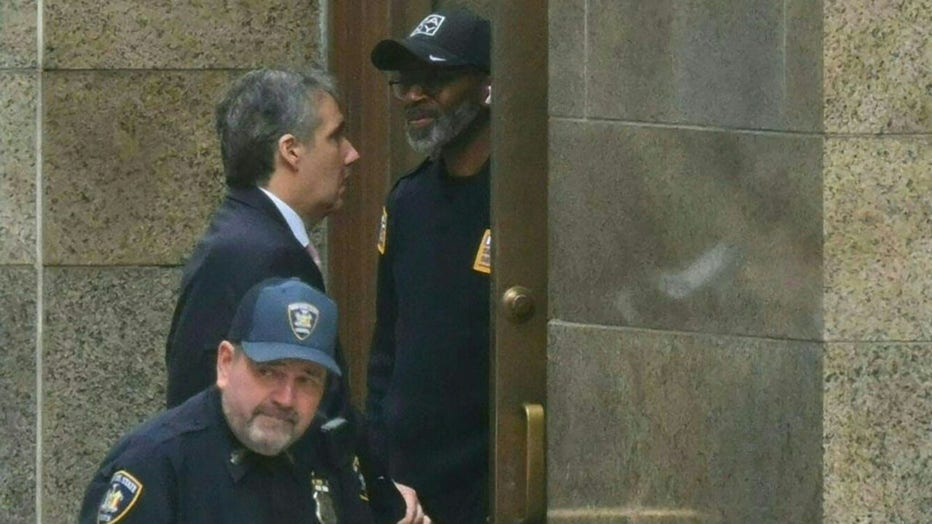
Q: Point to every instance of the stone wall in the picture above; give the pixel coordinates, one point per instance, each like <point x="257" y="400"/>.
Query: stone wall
<point x="109" y="170"/>
<point x="877" y="200"/>
<point x="740" y="277"/>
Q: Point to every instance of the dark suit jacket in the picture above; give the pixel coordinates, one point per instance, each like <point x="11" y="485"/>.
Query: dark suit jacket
<point x="246" y="242"/>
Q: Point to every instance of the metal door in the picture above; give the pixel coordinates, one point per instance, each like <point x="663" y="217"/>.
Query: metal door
<point x="519" y="247"/>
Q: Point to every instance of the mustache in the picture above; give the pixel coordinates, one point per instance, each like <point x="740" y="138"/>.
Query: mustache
<point x="416" y="113"/>
<point x="285" y="414"/>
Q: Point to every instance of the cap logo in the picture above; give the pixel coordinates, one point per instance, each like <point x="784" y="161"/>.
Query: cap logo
<point x="303" y="319"/>
<point x="429" y="26"/>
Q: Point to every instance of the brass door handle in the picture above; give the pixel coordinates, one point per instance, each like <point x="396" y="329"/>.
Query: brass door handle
<point x="535" y="500"/>
<point x="518" y="302"/>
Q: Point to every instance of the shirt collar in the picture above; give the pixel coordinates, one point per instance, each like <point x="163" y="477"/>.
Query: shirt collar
<point x="298" y="229"/>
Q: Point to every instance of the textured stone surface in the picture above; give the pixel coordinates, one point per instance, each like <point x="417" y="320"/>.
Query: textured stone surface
<point x="878" y="239"/>
<point x="18" y="33"/>
<point x="878" y="66"/>
<point x="216" y="34"/>
<point x="131" y="165"/>
<point x="17" y="167"/>
<point x="17" y="395"/>
<point x="688" y="230"/>
<point x="729" y="63"/>
<point x="878" y="432"/>
<point x="567" y="59"/>
<point x="104" y="369"/>
<point x="712" y="429"/>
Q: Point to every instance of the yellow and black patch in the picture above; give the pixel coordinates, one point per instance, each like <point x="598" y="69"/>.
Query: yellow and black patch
<point x="483" y="262"/>
<point x="119" y="500"/>
<point x="383" y="231"/>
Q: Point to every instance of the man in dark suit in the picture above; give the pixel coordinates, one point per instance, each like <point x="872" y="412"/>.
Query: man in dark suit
<point x="285" y="159"/>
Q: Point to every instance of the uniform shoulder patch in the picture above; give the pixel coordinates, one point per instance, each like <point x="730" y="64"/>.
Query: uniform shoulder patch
<point x="483" y="262"/>
<point x="383" y="231"/>
<point x="120" y="498"/>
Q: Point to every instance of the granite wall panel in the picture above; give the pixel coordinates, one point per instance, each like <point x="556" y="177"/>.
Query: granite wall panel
<point x="686" y="229"/>
<point x="725" y="63"/>
<point x="682" y="428"/>
<point x="103" y="369"/>
<point x="159" y="34"/>
<point x="878" y="432"/>
<point x="878" y="238"/>
<point x="131" y="166"/>
<point x="567" y="58"/>
<point x="17" y="167"/>
<point x="17" y="394"/>
<point x="878" y="77"/>
<point x="18" y="34"/>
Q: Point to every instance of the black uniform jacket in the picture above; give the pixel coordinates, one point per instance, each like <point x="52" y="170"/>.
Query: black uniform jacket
<point x="185" y="466"/>
<point x="246" y="242"/>
<point x="428" y="400"/>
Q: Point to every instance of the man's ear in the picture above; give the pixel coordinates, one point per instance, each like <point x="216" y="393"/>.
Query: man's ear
<point x="487" y="98"/>
<point x="225" y="354"/>
<point x="288" y="150"/>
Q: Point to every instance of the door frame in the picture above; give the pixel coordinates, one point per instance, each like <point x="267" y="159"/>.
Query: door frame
<point x="520" y="260"/>
<point x="519" y="223"/>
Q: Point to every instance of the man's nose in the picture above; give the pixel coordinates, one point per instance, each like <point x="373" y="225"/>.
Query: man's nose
<point x="284" y="393"/>
<point x="414" y="93"/>
<point x="352" y="155"/>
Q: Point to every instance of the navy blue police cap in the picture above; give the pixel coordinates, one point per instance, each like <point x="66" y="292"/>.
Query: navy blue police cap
<point x="282" y="318"/>
<point x="454" y="38"/>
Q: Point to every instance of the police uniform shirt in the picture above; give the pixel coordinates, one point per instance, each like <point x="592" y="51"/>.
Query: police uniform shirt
<point x="429" y="363"/>
<point x="185" y="466"/>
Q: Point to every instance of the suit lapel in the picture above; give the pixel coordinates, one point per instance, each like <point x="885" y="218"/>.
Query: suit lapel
<point x="254" y="197"/>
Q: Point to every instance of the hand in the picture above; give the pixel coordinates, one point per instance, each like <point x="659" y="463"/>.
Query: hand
<point x="414" y="513"/>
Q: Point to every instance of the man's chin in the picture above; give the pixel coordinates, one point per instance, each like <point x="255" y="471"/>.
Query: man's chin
<point x="268" y="442"/>
<point x="424" y="146"/>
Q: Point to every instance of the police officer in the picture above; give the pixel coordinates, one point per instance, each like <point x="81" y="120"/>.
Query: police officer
<point x="225" y="455"/>
<point x="428" y="403"/>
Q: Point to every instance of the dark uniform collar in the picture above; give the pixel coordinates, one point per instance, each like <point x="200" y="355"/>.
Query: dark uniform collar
<point x="239" y="459"/>
<point x="481" y="175"/>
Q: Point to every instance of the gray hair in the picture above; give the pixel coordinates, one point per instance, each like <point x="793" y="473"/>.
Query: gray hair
<point x="257" y="110"/>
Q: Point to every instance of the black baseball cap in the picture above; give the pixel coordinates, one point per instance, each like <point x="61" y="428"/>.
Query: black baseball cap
<point x="454" y="38"/>
<point x="282" y="318"/>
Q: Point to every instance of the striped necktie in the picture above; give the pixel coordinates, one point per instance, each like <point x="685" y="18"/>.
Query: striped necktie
<point x="315" y="255"/>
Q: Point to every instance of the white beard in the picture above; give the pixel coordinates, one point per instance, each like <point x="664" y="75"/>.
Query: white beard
<point x="448" y="126"/>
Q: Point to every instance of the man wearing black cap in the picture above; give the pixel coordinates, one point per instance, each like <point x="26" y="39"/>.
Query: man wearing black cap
<point x="225" y="454"/>
<point x="428" y="403"/>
